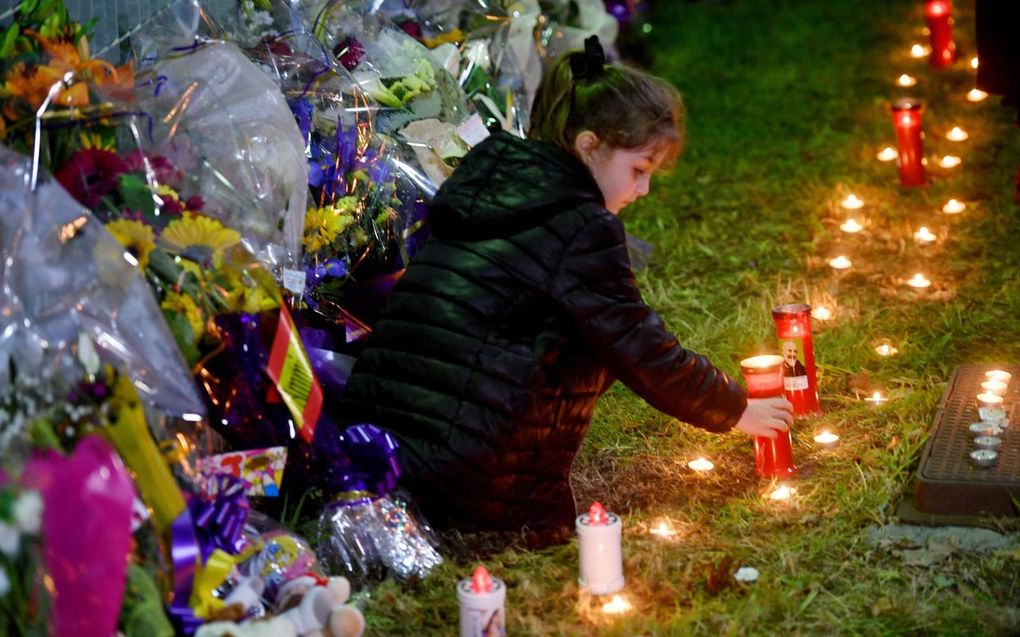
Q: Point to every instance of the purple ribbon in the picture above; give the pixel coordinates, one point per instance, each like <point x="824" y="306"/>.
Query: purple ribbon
<point x="220" y="515"/>
<point x="184" y="552"/>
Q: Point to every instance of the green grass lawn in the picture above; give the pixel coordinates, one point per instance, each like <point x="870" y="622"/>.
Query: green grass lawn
<point x="788" y="102"/>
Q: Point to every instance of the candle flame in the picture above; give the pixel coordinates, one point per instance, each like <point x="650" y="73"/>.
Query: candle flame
<point x="887" y="154"/>
<point x="999" y="375"/>
<point x="950" y="161"/>
<point x="821" y="313"/>
<point x="918" y="281"/>
<point x="616" y="606"/>
<point x="851" y="226"/>
<point x="481" y="581"/>
<point x="782" y="493"/>
<point x="840" y="263"/>
<point x="976" y="95"/>
<point x="974" y="62"/>
<point x="597" y="514"/>
<point x="924" y="235"/>
<point x="885" y="349"/>
<point x="996" y="387"/>
<point x="989" y="399"/>
<point x="957" y="134"/>
<point x="918" y="51"/>
<point x="663" y="530"/>
<point x="906" y="80"/>
<point x="826" y="437"/>
<point x="876" y="398"/>
<point x="852" y="202"/>
<point x="953" y="207"/>
<point x="701" y="464"/>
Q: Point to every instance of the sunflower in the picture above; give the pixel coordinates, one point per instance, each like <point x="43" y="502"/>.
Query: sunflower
<point x="323" y="225"/>
<point x="136" y="237"/>
<point x="185" y="306"/>
<point x="198" y="233"/>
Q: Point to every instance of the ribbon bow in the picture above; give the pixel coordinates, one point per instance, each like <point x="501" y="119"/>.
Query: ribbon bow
<point x="589" y="63"/>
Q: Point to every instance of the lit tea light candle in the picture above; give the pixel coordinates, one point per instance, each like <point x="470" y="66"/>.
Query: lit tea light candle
<point x="617" y="606"/>
<point x="974" y="62"/>
<point x="851" y="226"/>
<point x="954" y="207"/>
<point x="876" y="399"/>
<point x="950" y="161"/>
<point x="821" y="313"/>
<point x="782" y="493"/>
<point x="885" y="349"/>
<point x="840" y="263"/>
<point x="887" y="154"/>
<point x="918" y="51"/>
<point x="827" y="440"/>
<point x="976" y="95"/>
<point x="906" y="80"/>
<point x="852" y="202"/>
<point x="996" y="387"/>
<point x="701" y="465"/>
<point x="999" y="375"/>
<point x="957" y="134"/>
<point x="919" y="282"/>
<point x="924" y="236"/>
<point x="988" y="400"/>
<point x="663" y="530"/>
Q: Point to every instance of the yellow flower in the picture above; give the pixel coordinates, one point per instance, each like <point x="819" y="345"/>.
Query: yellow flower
<point x="248" y="289"/>
<point x="186" y="306"/>
<point x="136" y="237"/>
<point x="323" y="225"/>
<point x="93" y="140"/>
<point x="198" y="231"/>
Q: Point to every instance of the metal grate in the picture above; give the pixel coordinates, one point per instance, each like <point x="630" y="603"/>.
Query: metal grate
<point x="947" y="482"/>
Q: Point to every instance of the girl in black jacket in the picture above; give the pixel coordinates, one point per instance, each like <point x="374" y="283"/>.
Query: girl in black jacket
<point x="521" y="310"/>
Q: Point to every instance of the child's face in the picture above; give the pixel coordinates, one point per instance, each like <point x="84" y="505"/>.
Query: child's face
<point x="623" y="174"/>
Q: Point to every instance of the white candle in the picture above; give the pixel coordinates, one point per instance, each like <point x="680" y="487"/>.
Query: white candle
<point x="988" y="400"/>
<point x="876" y="399"/>
<point x="984" y="457"/>
<point x="821" y="313"/>
<point x="924" y="236"/>
<point x="887" y="154"/>
<point x="999" y="375"/>
<point x="885" y="349"/>
<point x="974" y="62"/>
<point x="851" y="225"/>
<point x="663" y="530"/>
<point x="906" y="80"/>
<point x="701" y="465"/>
<point x="617" y="606"/>
<point x="481" y="600"/>
<point x="976" y="95"/>
<point x="782" y="493"/>
<point x="957" y="134"/>
<point x="601" y="557"/>
<point x="919" y="282"/>
<point x="840" y="263"/>
<point x="827" y="440"/>
<point x="918" y="51"/>
<point x="996" y="387"/>
<point x="950" y="161"/>
<point x="953" y="207"/>
<point x="852" y="202"/>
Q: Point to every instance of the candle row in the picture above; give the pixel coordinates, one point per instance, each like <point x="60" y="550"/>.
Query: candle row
<point x="993" y="420"/>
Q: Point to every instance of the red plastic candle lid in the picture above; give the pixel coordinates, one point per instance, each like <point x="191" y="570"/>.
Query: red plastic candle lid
<point x="597" y="515"/>
<point x="481" y="581"/>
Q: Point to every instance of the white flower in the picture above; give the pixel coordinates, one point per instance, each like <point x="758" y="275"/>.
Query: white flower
<point x="9" y="537"/>
<point x="28" y="512"/>
<point x="5" y="583"/>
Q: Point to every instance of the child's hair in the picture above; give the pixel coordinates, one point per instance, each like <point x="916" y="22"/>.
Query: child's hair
<point x="624" y="107"/>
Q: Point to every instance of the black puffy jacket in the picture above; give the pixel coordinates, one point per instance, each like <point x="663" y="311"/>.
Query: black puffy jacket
<point x="506" y="327"/>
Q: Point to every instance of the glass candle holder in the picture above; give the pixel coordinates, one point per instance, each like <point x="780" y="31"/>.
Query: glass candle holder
<point x="773" y="457"/>
<point x="906" y="115"/>
<point x="939" y="16"/>
<point x="793" y="330"/>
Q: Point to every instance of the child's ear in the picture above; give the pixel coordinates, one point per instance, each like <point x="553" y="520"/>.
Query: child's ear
<point x="586" y="143"/>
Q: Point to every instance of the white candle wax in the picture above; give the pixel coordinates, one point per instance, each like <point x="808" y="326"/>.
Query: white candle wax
<point x="953" y="207"/>
<point x="885" y="349"/>
<point x="782" y="493"/>
<point x="950" y="161"/>
<point x="840" y="263"/>
<point x="976" y="95"/>
<point x="851" y="225"/>
<point x="601" y="556"/>
<point x="957" y="134"/>
<point x="887" y="154"/>
<point x="924" y="236"/>
<point x="906" y="80"/>
<point x="481" y="599"/>
<point x="989" y="400"/>
<point x="821" y="313"/>
<point x="919" y="282"/>
<point x="999" y="375"/>
<point x="996" y="387"/>
<point x="852" y="202"/>
<point x="617" y="606"/>
<point x="701" y="465"/>
<point x="827" y="440"/>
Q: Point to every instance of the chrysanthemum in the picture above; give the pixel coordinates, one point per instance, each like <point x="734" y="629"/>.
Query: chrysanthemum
<point x="185" y="306"/>
<point x="136" y="237"/>
<point x="198" y="233"/>
<point x="323" y="225"/>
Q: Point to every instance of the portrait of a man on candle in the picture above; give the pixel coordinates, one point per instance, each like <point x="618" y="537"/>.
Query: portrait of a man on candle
<point x="794" y="372"/>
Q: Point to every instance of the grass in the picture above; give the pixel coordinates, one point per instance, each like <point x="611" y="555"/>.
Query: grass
<point x="788" y="103"/>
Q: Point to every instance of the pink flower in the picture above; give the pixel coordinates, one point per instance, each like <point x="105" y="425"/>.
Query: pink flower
<point x="90" y="174"/>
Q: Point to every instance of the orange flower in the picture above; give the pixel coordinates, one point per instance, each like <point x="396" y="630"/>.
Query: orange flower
<point x="33" y="84"/>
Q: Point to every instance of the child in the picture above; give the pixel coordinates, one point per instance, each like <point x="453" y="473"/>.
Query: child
<point x="521" y="310"/>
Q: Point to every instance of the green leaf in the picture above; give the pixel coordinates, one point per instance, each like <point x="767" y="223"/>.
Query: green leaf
<point x="10" y="37"/>
<point x="184" y="335"/>
<point x="136" y="194"/>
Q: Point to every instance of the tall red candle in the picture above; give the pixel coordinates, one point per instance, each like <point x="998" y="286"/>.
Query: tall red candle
<point x="793" y="329"/>
<point x="939" y="15"/>
<point x="773" y="457"/>
<point x="906" y="115"/>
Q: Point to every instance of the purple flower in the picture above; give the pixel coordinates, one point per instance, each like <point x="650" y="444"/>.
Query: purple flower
<point x="349" y="52"/>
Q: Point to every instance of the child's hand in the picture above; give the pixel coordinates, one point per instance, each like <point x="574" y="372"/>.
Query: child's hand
<point x="766" y="417"/>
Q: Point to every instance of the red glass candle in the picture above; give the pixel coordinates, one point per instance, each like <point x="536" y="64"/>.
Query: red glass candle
<point x="906" y="115"/>
<point x="773" y="457"/>
<point x="939" y="15"/>
<point x="793" y="329"/>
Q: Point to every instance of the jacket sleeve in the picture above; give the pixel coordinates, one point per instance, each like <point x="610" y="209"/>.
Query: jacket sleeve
<point x="596" y="285"/>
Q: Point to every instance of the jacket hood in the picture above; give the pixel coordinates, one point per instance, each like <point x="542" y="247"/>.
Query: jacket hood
<point x="507" y="183"/>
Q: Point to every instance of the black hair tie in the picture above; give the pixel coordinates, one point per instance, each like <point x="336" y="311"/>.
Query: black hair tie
<point x="591" y="62"/>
